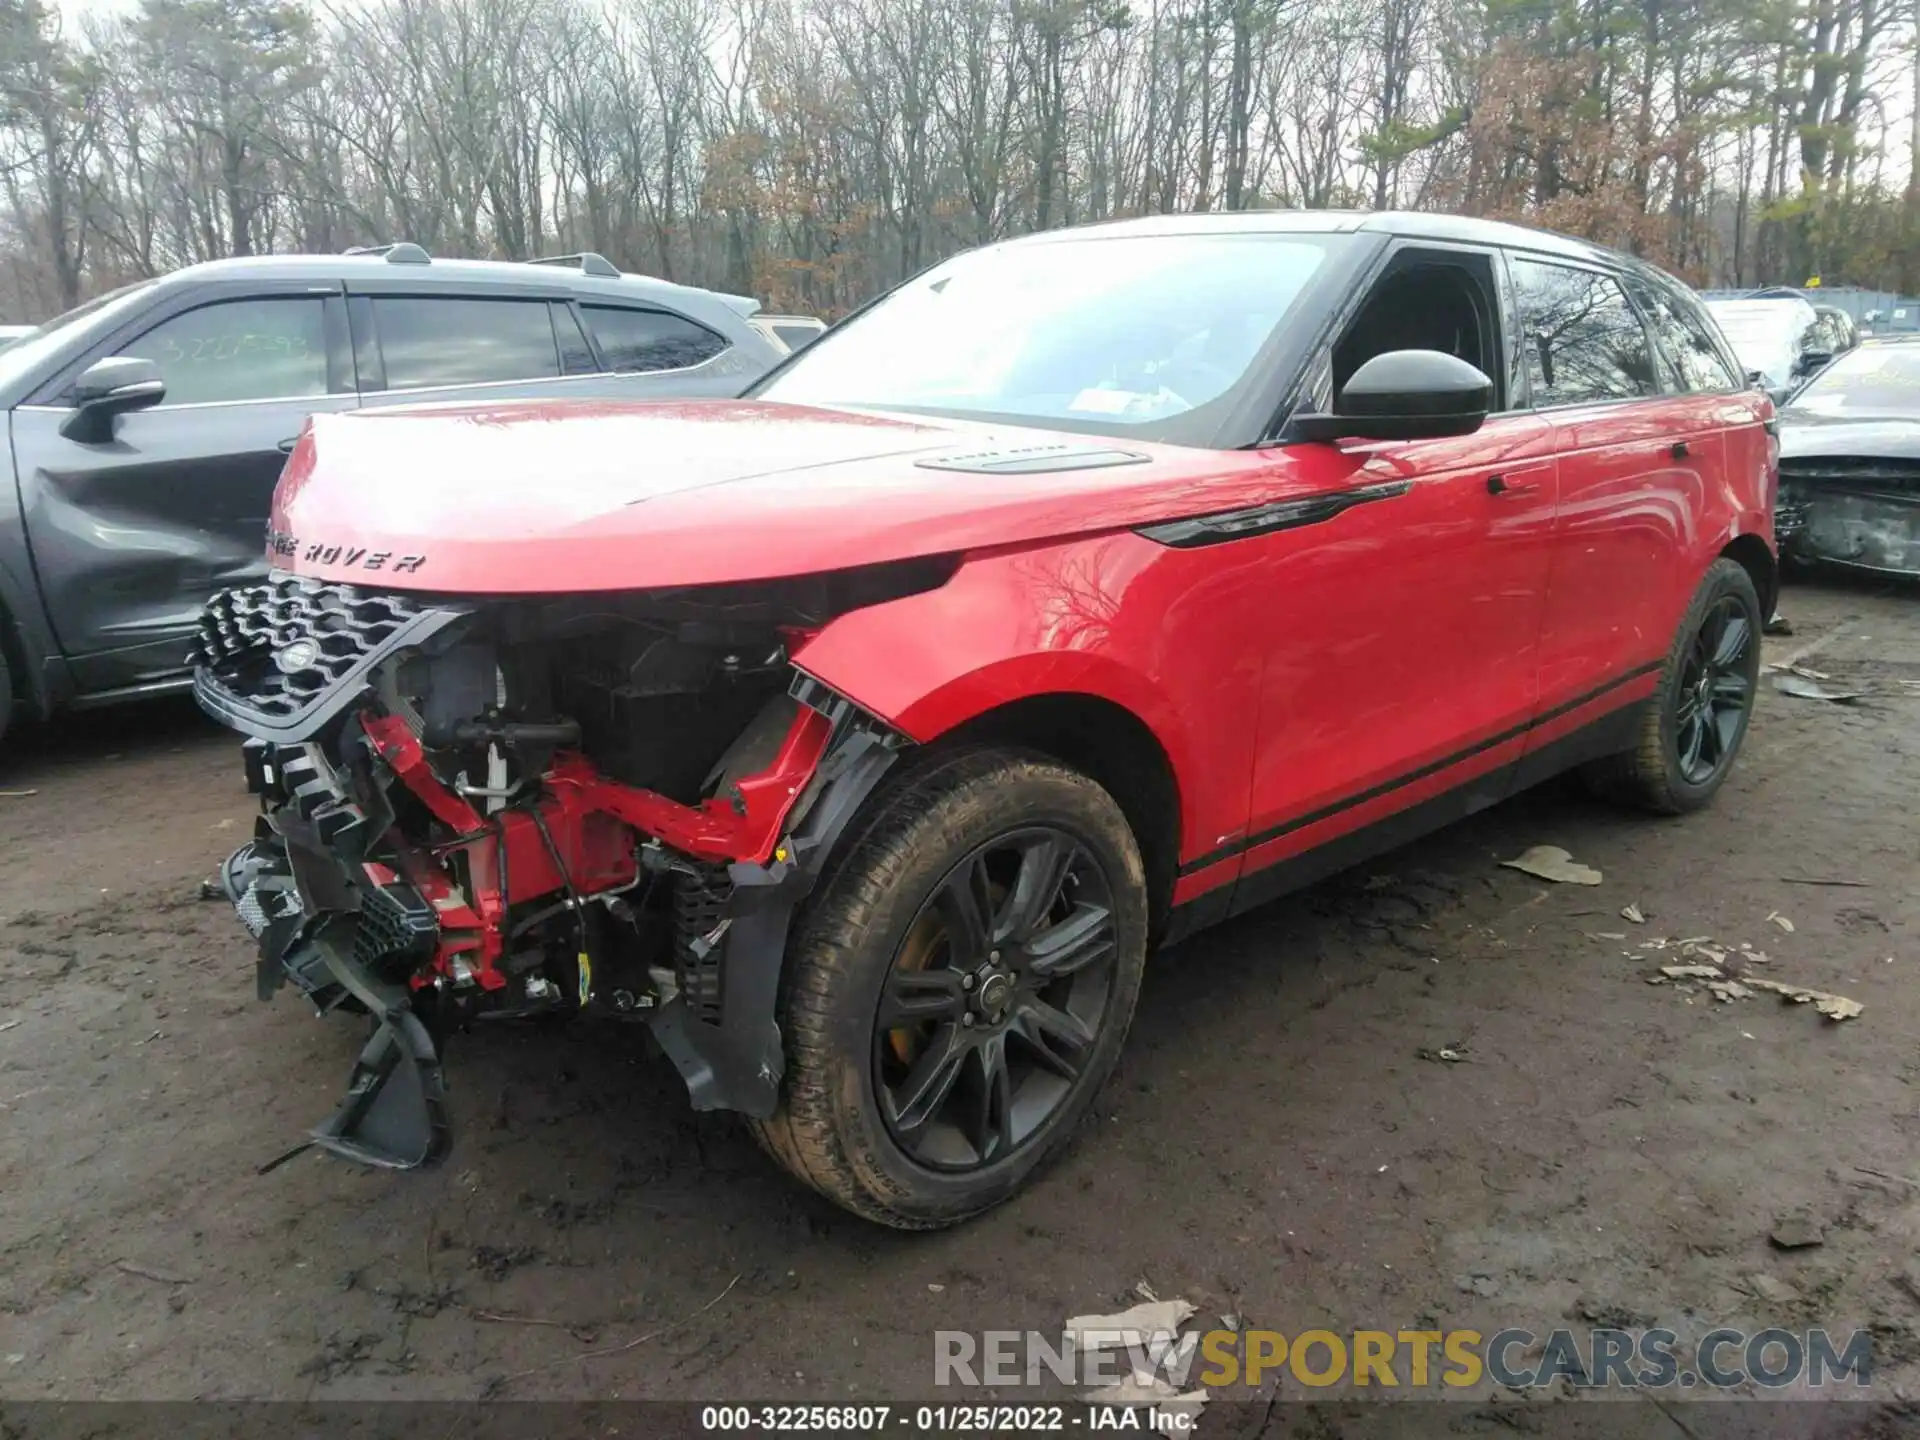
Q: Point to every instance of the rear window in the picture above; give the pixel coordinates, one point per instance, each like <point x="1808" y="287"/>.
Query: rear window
<point x="1693" y="357"/>
<point x="1585" y="343"/>
<point x="642" y="340"/>
<point x="427" y="344"/>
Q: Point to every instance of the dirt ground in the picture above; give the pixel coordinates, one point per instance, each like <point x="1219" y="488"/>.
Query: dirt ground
<point x="1273" y="1146"/>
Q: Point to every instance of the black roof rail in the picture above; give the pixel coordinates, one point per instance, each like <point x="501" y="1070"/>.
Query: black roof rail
<point x="586" y="262"/>
<point x="402" y="252"/>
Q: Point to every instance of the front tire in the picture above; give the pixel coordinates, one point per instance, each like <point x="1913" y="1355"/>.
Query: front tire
<point x="959" y="989"/>
<point x="1698" y="717"/>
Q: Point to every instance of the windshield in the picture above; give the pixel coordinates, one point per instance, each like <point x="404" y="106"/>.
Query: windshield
<point x="25" y="355"/>
<point x="1765" y="334"/>
<point x="1874" y="380"/>
<point x="1148" y="335"/>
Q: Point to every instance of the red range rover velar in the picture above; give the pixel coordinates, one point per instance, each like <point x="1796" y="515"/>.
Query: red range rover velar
<point x="862" y="737"/>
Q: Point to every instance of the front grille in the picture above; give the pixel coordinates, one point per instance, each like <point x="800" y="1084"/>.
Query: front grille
<point x="1859" y="472"/>
<point x="271" y="657"/>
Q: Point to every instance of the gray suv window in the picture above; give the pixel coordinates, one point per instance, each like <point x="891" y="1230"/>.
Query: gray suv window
<point x="263" y="349"/>
<point x="649" y="339"/>
<point x="429" y="343"/>
<point x="1583" y="340"/>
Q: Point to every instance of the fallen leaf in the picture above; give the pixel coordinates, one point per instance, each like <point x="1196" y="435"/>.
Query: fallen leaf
<point x="1778" y="919"/>
<point x="1834" y="1007"/>
<point x="1142" y="1389"/>
<point x="1632" y="913"/>
<point x="1691" y="972"/>
<point x="1134" y="1327"/>
<point x="1609" y="935"/>
<point x="1797" y="1230"/>
<point x="1802" y="688"/>
<point x="1550" y="862"/>
<point x="1694" y="950"/>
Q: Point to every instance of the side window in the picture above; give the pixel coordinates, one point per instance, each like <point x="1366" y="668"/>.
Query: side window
<point x="1426" y="301"/>
<point x="1583" y="340"/>
<point x="427" y="343"/>
<point x="1688" y="352"/>
<point x="575" y="356"/>
<point x="650" y="339"/>
<point x="264" y="349"/>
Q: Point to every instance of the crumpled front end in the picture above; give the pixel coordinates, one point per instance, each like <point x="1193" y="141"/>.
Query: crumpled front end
<point x="477" y="810"/>
<point x="1863" y="513"/>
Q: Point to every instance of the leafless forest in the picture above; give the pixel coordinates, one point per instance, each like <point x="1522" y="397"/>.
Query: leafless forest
<point x="815" y="151"/>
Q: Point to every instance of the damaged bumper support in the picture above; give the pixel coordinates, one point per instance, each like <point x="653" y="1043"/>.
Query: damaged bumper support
<point x="352" y="907"/>
<point x="1841" y="521"/>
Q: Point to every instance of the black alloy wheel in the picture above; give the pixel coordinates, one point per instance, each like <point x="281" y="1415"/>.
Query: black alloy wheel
<point x="1687" y="734"/>
<point x="1715" y="691"/>
<point x="959" y="986"/>
<point x="995" y="999"/>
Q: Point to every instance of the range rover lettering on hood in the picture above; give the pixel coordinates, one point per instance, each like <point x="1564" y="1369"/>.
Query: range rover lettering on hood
<point x="282" y="546"/>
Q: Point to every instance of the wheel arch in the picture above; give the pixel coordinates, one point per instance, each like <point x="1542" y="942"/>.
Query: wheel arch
<point x="1756" y="557"/>
<point x="1111" y="745"/>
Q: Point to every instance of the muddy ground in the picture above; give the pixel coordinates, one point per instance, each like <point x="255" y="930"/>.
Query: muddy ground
<point x="1273" y="1145"/>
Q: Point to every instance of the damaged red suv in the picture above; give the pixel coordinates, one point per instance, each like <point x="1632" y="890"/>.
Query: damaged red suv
<point x="861" y="738"/>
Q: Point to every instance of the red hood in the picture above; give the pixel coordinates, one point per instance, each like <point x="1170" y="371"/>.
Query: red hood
<point x="588" y="495"/>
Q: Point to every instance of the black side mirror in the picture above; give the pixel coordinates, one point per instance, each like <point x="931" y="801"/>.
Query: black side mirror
<point x="107" y="389"/>
<point x="1405" y="395"/>
<point x="1812" y="360"/>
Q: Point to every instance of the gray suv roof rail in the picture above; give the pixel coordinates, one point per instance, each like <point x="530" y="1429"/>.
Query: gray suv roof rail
<point x="402" y="252"/>
<point x="586" y="262"/>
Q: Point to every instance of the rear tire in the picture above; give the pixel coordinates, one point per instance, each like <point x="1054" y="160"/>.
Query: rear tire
<point x="994" y="906"/>
<point x="1698" y="716"/>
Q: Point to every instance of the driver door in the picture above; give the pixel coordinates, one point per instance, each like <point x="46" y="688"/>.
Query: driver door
<point x="1402" y="656"/>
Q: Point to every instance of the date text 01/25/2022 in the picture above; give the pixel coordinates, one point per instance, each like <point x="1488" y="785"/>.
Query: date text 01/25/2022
<point x="1169" y="1419"/>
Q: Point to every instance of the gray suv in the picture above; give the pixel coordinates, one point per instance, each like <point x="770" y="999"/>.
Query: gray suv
<point x="147" y="428"/>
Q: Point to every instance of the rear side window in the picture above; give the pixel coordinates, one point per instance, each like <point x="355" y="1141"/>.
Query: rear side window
<point x="798" y="337"/>
<point x="429" y="343"/>
<point x="265" y="349"/>
<point x="1687" y="346"/>
<point x="575" y="356"/>
<point x="640" y="340"/>
<point x="1584" y="342"/>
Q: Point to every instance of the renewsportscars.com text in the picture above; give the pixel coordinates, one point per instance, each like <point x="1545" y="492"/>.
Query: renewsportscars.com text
<point x="1724" y="1359"/>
